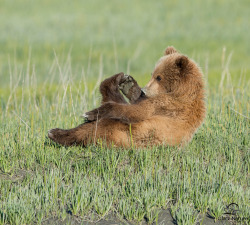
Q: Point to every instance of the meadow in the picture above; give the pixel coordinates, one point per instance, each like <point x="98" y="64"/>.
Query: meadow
<point x="54" y="54"/>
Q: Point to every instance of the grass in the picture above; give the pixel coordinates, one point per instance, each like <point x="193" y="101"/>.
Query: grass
<point x="53" y="57"/>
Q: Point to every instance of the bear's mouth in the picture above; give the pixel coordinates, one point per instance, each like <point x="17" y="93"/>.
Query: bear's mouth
<point x="142" y="93"/>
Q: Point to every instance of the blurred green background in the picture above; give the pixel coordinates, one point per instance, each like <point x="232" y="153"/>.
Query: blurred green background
<point x="126" y="36"/>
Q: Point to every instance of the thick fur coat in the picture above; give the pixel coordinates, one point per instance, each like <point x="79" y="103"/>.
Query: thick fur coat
<point x="168" y="111"/>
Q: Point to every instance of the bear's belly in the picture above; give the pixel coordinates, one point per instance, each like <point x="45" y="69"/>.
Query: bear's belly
<point x="161" y="130"/>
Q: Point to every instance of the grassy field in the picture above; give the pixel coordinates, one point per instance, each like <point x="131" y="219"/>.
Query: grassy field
<point x="53" y="56"/>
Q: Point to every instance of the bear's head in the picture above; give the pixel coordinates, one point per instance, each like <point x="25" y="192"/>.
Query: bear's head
<point x="175" y="74"/>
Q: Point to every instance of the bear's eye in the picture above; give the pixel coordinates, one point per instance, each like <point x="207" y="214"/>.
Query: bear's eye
<point x="158" y="78"/>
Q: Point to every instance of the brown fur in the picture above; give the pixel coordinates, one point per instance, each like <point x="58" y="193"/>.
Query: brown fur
<point x="170" y="112"/>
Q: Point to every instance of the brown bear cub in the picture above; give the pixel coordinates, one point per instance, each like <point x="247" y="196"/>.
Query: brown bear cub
<point x="168" y="111"/>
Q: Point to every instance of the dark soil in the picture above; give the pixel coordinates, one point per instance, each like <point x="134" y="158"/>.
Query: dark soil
<point x="163" y="218"/>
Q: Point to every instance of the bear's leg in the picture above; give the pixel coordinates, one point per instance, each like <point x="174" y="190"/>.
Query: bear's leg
<point x="108" y="130"/>
<point x="109" y="89"/>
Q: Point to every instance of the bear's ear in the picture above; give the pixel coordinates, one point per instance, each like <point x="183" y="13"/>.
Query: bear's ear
<point x="181" y="62"/>
<point x="170" y="50"/>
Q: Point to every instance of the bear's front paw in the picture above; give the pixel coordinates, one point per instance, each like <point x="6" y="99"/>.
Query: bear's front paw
<point x="103" y="111"/>
<point x="92" y="115"/>
<point x="89" y="116"/>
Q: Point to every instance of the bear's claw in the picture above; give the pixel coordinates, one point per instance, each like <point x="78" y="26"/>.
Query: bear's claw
<point x="51" y="133"/>
<point x="86" y="118"/>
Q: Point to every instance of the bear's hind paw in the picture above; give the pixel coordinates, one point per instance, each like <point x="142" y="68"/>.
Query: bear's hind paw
<point x="63" y="137"/>
<point x="127" y="84"/>
<point x="130" y="88"/>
